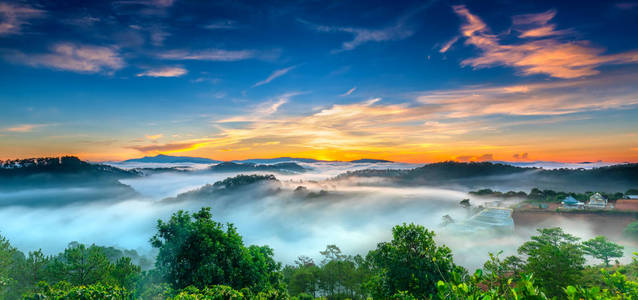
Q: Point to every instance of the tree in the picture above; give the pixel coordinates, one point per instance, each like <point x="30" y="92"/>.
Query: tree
<point x="125" y="273"/>
<point x="554" y="258"/>
<point x="411" y="262"/>
<point x="195" y="250"/>
<point x="84" y="266"/>
<point x="631" y="231"/>
<point x="603" y="249"/>
<point x="7" y="253"/>
<point x="34" y="268"/>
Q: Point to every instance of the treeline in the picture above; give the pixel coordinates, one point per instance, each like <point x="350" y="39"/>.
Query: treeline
<point x="199" y="258"/>
<point x="549" y="195"/>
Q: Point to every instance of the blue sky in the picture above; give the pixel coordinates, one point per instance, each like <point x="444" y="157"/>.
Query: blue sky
<point x="409" y="81"/>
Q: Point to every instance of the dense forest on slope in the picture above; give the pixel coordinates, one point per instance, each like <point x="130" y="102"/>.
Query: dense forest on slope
<point x="501" y="176"/>
<point x="286" y="167"/>
<point x="199" y="258"/>
<point x="47" y="180"/>
<point x="231" y="184"/>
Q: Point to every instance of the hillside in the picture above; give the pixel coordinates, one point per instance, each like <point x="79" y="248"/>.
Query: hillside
<point x="250" y="167"/>
<point x="167" y="159"/>
<point x="61" y="180"/>
<point x="501" y="176"/>
<point x="231" y="184"/>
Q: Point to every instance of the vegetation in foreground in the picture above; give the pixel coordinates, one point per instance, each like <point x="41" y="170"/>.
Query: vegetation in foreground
<point x="199" y="258"/>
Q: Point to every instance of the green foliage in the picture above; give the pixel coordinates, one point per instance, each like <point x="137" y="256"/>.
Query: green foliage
<point x="195" y="250"/>
<point x="631" y="231"/>
<point x="601" y="248"/>
<point x="474" y="289"/>
<point x="215" y="292"/>
<point x="6" y="260"/>
<point x="411" y="262"/>
<point x="66" y="291"/>
<point x="555" y="258"/>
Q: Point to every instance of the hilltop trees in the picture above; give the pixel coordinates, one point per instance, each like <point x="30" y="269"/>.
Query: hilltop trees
<point x="601" y="248"/>
<point x="195" y="250"/>
<point x="411" y="262"/>
<point x="555" y="258"/>
<point x="6" y="254"/>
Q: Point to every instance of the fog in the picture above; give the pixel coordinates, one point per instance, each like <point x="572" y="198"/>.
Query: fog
<point x="354" y="214"/>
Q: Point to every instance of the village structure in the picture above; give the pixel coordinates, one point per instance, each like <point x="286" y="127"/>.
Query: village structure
<point x="598" y="202"/>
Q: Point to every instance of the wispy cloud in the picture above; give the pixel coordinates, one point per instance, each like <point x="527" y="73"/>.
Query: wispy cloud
<point x="349" y="92"/>
<point x="262" y="110"/>
<point x="542" y="52"/>
<point x="164" y="72"/>
<point x="14" y="16"/>
<point x="210" y="55"/>
<point x="537" y="25"/>
<point x="25" y="127"/>
<point x="466" y="158"/>
<point x="448" y="44"/>
<point x="154" y="137"/>
<point x="72" y="57"/>
<point x="172" y="147"/>
<point x="274" y="75"/>
<point x="223" y="24"/>
<point x="401" y="29"/>
<point x="553" y="98"/>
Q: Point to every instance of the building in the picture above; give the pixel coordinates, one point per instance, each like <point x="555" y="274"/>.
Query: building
<point x="488" y="220"/>
<point x="627" y="203"/>
<point x="571" y="203"/>
<point x="596" y="201"/>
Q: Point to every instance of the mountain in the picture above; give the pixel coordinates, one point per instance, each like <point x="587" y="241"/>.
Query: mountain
<point x="167" y="159"/>
<point x="59" y="181"/>
<point x="259" y="184"/>
<point x="507" y="177"/>
<point x="288" y="167"/>
<point x="277" y="160"/>
<point x="59" y="166"/>
<point x="369" y="161"/>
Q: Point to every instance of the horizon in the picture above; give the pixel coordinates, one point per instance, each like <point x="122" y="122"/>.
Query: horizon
<point x="519" y="163"/>
<point x="413" y="82"/>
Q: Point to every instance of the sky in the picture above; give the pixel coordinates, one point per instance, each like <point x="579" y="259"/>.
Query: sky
<point x="409" y="81"/>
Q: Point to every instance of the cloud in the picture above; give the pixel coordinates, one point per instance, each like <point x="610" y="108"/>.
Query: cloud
<point x="400" y="30"/>
<point x="395" y="32"/>
<point x="448" y="44"/>
<point x="262" y="110"/>
<point x="222" y="24"/>
<point x="274" y="75"/>
<point x="72" y="57"/>
<point x="210" y="55"/>
<point x="14" y="16"/>
<point x="164" y="72"/>
<point x="522" y="156"/>
<point x="172" y="147"/>
<point x="467" y="158"/>
<point x="25" y="127"/>
<point x="154" y="136"/>
<point x="553" y="98"/>
<point x="540" y="50"/>
<point x="537" y="25"/>
<point x="349" y="92"/>
<point x="626" y="5"/>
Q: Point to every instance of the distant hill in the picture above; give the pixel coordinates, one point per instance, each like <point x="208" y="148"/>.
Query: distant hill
<point x="52" y="178"/>
<point x="277" y="160"/>
<point x="228" y="185"/>
<point x="65" y="165"/>
<point x="161" y="158"/>
<point x="501" y="176"/>
<point x="288" y="167"/>
<point x="369" y="161"/>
